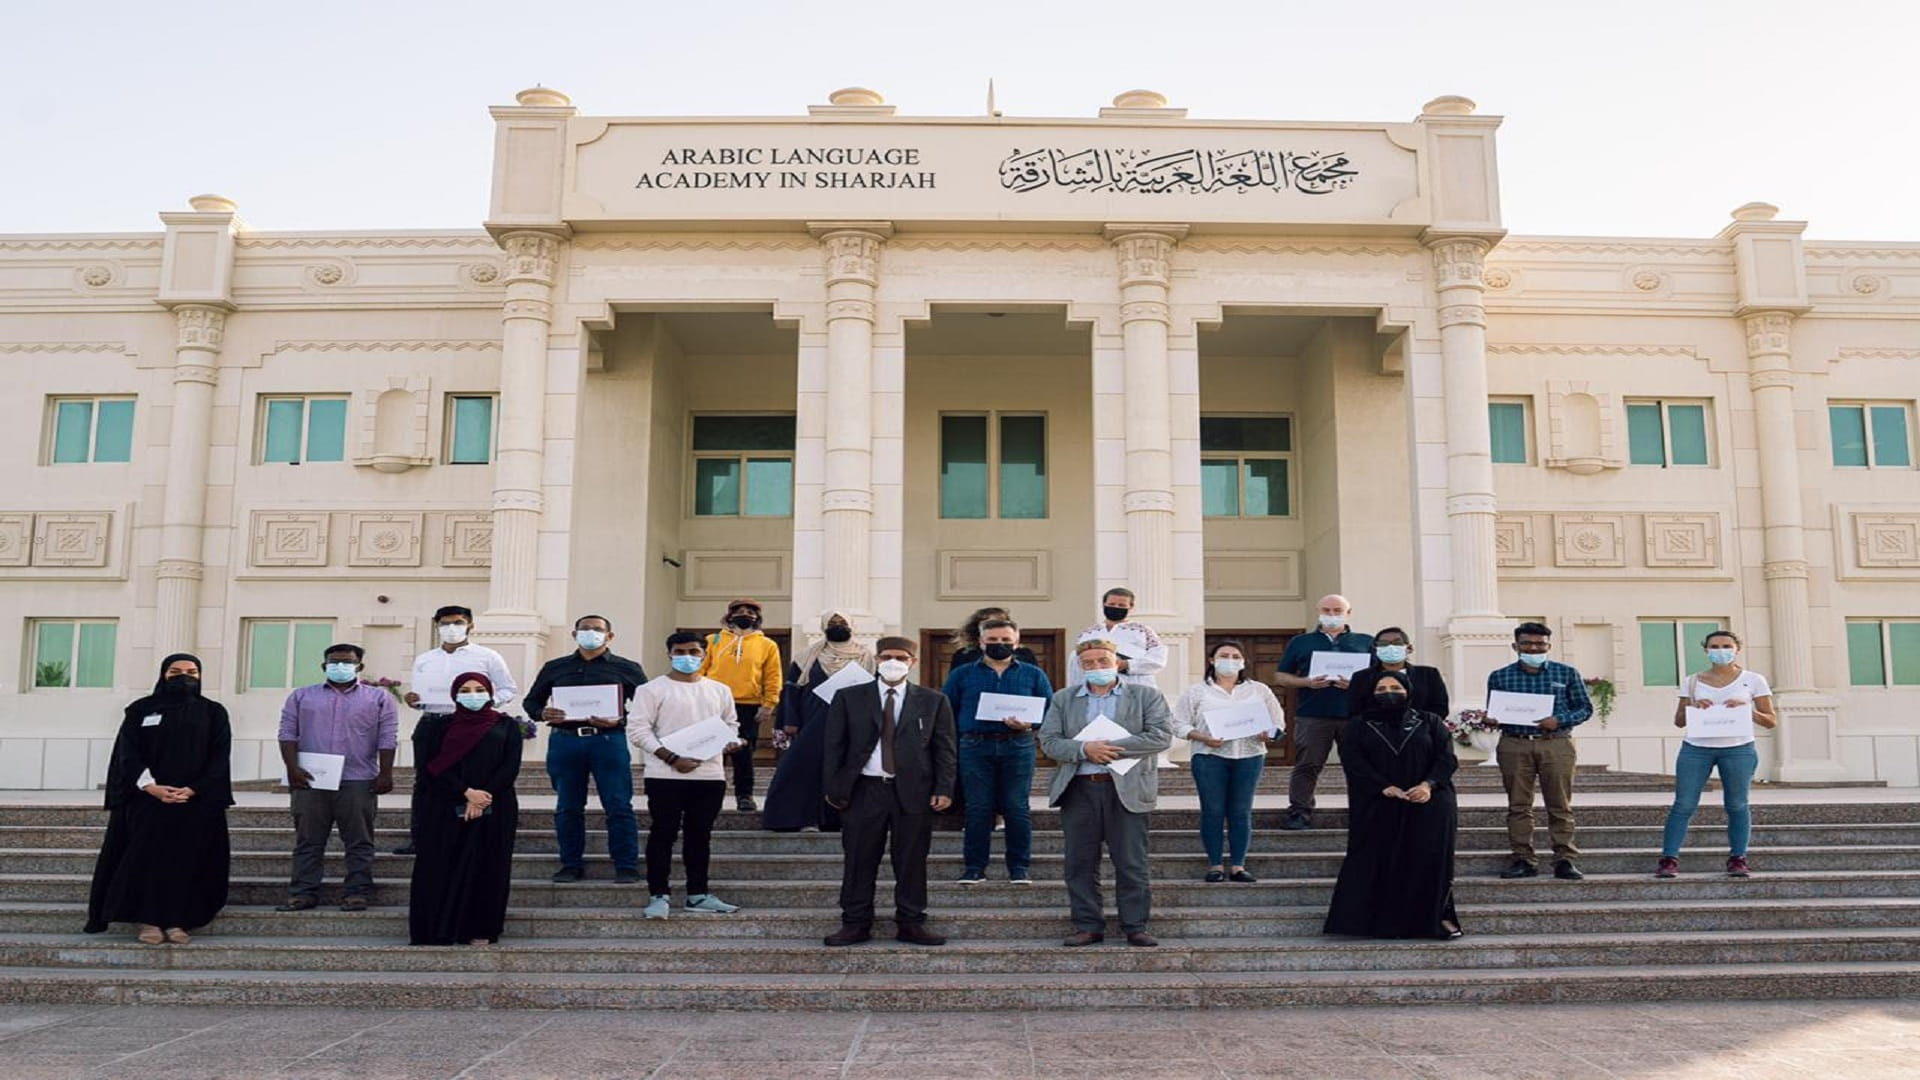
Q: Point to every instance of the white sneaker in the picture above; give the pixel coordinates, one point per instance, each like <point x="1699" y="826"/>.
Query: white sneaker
<point x="1020" y="879"/>
<point x="712" y="903"/>
<point x="657" y="907"/>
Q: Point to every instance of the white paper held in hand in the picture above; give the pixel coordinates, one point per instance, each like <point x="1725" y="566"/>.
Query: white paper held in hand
<point x="1105" y="730"/>
<point x="587" y="702"/>
<point x="703" y="740"/>
<point x="1239" y="720"/>
<point x="1519" y="710"/>
<point x="324" y="768"/>
<point x="1003" y="707"/>
<point x="1337" y="665"/>
<point x="1131" y="643"/>
<point x="439" y="697"/>
<point x="1720" y="722"/>
<point x="851" y="675"/>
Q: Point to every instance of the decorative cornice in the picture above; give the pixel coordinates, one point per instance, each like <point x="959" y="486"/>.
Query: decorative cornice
<point x="1576" y="246"/>
<point x="63" y="347"/>
<point x="388" y="345"/>
<point x="997" y="243"/>
<point x="747" y="243"/>
<point x="131" y="243"/>
<point x="477" y="241"/>
<point x="1590" y="349"/>
<point x="1845" y="254"/>
<point x="1279" y="247"/>
<point x="1865" y="352"/>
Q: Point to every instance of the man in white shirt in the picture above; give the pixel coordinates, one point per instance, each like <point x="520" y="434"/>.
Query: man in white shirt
<point x="1117" y="625"/>
<point x="682" y="792"/>
<point x="430" y="689"/>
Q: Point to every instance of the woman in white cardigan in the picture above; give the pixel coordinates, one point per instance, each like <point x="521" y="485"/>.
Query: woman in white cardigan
<point x="1226" y="772"/>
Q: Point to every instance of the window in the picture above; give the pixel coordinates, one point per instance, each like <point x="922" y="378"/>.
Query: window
<point x="1667" y="433"/>
<point x="90" y="430"/>
<point x="1507" y="423"/>
<point x="743" y="466"/>
<point x="1670" y="649"/>
<point x="470" y="429"/>
<point x="73" y="653"/>
<point x="993" y="459"/>
<point x="1870" y="435"/>
<point x="1883" y="652"/>
<point x="285" y="653"/>
<point x="302" y="429"/>
<point x="1245" y="466"/>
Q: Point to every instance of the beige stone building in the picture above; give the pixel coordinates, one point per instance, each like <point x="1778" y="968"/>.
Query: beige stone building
<point x="908" y="366"/>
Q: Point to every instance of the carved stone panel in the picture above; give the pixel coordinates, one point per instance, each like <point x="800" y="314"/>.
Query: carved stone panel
<point x="1682" y="540"/>
<point x="289" y="539"/>
<point x="1513" y="540"/>
<point x="1887" y="541"/>
<point x="467" y="540"/>
<point x="1589" y="540"/>
<point x="1016" y="575"/>
<point x="16" y="539"/>
<point x="78" y="539"/>
<point x="384" y="539"/>
<point x="1252" y="575"/>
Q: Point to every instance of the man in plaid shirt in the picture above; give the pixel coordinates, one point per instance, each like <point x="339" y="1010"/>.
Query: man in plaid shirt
<point x="1540" y="756"/>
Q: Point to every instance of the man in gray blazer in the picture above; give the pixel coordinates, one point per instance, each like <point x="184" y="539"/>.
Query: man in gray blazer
<point x="1098" y="805"/>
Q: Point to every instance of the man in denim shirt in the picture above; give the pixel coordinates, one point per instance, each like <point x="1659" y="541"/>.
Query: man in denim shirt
<point x="996" y="755"/>
<point x="1543" y="755"/>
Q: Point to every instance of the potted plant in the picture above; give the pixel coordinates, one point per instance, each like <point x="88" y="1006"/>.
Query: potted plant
<point x="1601" y="691"/>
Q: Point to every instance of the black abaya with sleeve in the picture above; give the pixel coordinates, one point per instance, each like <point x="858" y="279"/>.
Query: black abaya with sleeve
<point x="796" y="797"/>
<point x="166" y="864"/>
<point x="462" y="870"/>
<point x="1397" y="878"/>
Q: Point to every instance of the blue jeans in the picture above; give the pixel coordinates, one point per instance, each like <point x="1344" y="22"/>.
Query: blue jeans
<point x="1226" y="798"/>
<point x="1690" y="772"/>
<point x="997" y="775"/>
<point x="570" y="760"/>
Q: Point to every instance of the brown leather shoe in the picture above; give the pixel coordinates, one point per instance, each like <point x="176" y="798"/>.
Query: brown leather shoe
<point x="1084" y="937"/>
<point x="1140" y="939"/>
<point x="918" y="934"/>
<point x="849" y="935"/>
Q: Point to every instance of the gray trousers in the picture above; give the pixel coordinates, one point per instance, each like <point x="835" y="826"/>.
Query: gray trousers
<point x="1091" y="814"/>
<point x="1313" y="741"/>
<point x="315" y="813"/>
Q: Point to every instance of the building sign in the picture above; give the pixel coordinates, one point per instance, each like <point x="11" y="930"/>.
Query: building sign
<point x="1186" y="172"/>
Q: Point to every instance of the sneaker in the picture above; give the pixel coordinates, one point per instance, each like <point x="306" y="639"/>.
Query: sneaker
<point x="711" y="903"/>
<point x="1020" y="877"/>
<point x="972" y="877"/>
<point x="657" y="907"/>
<point x="745" y="804"/>
<point x="1668" y="867"/>
<point x="1297" y="821"/>
<point x="1737" y="866"/>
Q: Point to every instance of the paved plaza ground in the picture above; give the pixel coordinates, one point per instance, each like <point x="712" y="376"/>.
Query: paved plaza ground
<point x="1677" y="1041"/>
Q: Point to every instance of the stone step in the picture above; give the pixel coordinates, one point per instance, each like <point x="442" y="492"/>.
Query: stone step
<point x="965" y="957"/>
<point x="943" y="991"/>
<point x="947" y="863"/>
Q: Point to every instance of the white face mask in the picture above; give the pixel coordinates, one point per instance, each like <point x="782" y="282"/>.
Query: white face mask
<point x="894" y="670"/>
<point x="590" y="639"/>
<point x="1225" y="666"/>
<point x="453" y="633"/>
<point x="1332" y="622"/>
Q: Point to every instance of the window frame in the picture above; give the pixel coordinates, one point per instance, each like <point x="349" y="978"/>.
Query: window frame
<point x="292" y="623"/>
<point x="31" y="684"/>
<point x="740" y="458"/>
<point x="1665" y="405"/>
<point x="452" y="426"/>
<point x="1527" y="441"/>
<point x="1240" y="457"/>
<point x="1866" y="407"/>
<point x="995" y="463"/>
<point x="50" y="440"/>
<point x="1885" y="627"/>
<point x="1683" y="645"/>
<point x="263" y="410"/>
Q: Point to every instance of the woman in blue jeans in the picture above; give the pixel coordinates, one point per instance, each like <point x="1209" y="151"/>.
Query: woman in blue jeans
<point x="1724" y="686"/>
<point x="1225" y="771"/>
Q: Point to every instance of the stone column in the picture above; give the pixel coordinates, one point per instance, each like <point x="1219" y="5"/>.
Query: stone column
<point x="1145" y="253"/>
<point x="852" y="252"/>
<point x="199" y="330"/>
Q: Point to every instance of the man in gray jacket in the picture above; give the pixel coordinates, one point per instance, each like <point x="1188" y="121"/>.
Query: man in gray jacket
<point x="1099" y="804"/>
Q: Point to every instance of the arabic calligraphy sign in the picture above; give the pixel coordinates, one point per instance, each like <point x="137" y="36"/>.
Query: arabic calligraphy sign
<point x="1187" y="171"/>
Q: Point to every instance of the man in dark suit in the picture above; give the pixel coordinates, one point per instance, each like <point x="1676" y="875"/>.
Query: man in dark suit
<point x="890" y="759"/>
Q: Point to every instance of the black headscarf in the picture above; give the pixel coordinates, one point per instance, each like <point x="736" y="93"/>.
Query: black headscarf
<point x="1396" y="723"/>
<point x="188" y="747"/>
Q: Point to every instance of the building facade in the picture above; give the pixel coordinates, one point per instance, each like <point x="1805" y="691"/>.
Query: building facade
<point x="905" y="367"/>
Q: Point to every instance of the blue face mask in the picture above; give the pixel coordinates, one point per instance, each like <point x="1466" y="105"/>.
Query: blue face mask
<point x="1101" y="676"/>
<point x="686" y="665"/>
<point x="474" y="702"/>
<point x="1722" y="656"/>
<point x="1534" y="659"/>
<point x="342" y="673"/>
<point x="1391" y="654"/>
<point x="590" y="639"/>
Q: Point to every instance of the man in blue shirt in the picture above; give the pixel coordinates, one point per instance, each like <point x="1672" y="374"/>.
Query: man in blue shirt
<point x="1320" y="702"/>
<point x="996" y="755"/>
<point x="1540" y="755"/>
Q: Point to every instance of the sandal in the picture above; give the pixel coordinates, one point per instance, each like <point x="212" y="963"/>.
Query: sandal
<point x="151" y="935"/>
<point x="1214" y="877"/>
<point x="179" y="936"/>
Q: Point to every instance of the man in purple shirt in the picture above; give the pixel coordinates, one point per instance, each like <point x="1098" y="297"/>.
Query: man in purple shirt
<point x="358" y="723"/>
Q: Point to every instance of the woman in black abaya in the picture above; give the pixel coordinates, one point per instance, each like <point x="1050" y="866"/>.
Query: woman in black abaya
<point x="1397" y="879"/>
<point x="463" y="859"/>
<point x="164" y="863"/>
<point x="796" y="799"/>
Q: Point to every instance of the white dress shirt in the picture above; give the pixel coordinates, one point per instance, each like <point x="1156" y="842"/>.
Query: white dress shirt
<point x="873" y="766"/>
<point x="438" y="668"/>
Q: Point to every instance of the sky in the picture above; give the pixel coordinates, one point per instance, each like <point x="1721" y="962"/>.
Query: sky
<point x="1622" y="118"/>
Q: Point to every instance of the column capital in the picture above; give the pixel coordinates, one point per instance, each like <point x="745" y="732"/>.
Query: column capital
<point x="852" y="249"/>
<point x="1459" y="261"/>
<point x="531" y="256"/>
<point x="1768" y="332"/>
<point x="1145" y="252"/>
<point x="199" y="326"/>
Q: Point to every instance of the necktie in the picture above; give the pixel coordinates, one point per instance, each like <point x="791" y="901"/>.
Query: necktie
<point x="886" y="735"/>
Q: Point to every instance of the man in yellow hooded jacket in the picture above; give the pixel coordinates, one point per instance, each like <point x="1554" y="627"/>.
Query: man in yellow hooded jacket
<point x="748" y="662"/>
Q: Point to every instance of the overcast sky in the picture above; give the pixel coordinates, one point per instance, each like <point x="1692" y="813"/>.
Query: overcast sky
<point x="1622" y="117"/>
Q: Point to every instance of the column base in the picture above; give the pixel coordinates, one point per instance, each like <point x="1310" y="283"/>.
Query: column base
<point x="1806" y="746"/>
<point x="1470" y="647"/>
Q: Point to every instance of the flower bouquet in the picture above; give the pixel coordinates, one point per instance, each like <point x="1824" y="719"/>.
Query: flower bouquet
<point x="391" y="686"/>
<point x="1473" y="727"/>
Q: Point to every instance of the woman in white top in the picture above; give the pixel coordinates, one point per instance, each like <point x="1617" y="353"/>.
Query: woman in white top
<point x="1725" y="685"/>
<point x="1225" y="771"/>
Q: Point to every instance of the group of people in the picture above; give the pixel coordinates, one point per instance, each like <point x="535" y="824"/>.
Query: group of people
<point x="872" y="754"/>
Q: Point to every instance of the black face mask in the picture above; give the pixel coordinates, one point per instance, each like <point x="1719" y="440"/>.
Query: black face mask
<point x="742" y="622"/>
<point x="839" y="634"/>
<point x="999" y="650"/>
<point x="1390" y="701"/>
<point x="1116" y="614"/>
<point x="183" y="684"/>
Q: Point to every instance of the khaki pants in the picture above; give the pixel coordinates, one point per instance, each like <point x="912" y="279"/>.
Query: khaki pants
<point x="1548" y="764"/>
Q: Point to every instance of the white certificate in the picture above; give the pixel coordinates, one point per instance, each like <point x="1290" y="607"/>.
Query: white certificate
<point x="439" y="697"/>
<point x="1131" y="643"/>
<point x="1003" y="707"/>
<point x="1720" y="722"/>
<point x="325" y="769"/>
<point x="1105" y="730"/>
<point x="703" y="740"/>
<point x="587" y="702"/>
<point x="1239" y="720"/>
<point x="1519" y="710"/>
<point x="851" y="675"/>
<point x="1337" y="665"/>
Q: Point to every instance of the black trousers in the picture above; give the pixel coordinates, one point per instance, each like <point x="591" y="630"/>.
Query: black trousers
<point x="749" y="716"/>
<point x="674" y="805"/>
<point x="870" y="818"/>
